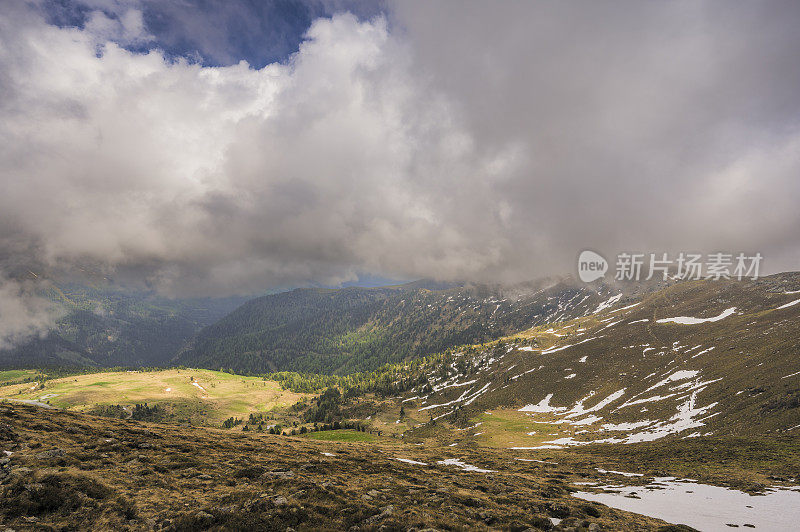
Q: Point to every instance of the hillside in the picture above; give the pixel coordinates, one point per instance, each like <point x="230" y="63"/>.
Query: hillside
<point x="705" y="358"/>
<point x="105" y="326"/>
<point x="64" y="469"/>
<point x="359" y="329"/>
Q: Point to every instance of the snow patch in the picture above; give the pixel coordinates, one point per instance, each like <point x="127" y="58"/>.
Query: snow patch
<point x="607" y="303"/>
<point x="465" y="467"/>
<point x="687" y="320"/>
<point x="543" y="406"/>
<point x="702" y="506"/>
<point x="408" y="461"/>
<point x="787" y="305"/>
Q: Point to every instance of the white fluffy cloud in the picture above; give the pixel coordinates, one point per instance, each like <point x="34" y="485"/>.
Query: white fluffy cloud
<point x="478" y="142"/>
<point x="226" y="179"/>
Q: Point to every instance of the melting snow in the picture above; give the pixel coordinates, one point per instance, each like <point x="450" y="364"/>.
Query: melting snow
<point x="554" y="349"/>
<point x="677" y="376"/>
<point x="704" y="351"/>
<point x="708" y="508"/>
<point x="625" y="308"/>
<point x="408" y="461"/>
<point x="608" y="303"/>
<point x="686" y="320"/>
<point x="465" y="467"/>
<point x="543" y="406"/>
<point x="453" y="385"/>
<point x="604" y="471"/>
<point x="791" y="304"/>
<point x="587" y="420"/>
<point x="627" y="426"/>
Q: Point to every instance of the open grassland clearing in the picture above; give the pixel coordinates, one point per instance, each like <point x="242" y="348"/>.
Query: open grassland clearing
<point x="196" y="395"/>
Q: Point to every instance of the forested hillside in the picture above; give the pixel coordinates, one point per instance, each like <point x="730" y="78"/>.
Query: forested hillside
<point x="103" y="326"/>
<point x="359" y="329"/>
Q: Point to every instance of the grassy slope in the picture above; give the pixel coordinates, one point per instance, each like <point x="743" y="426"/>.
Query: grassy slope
<point x="341" y="435"/>
<point x="223" y="395"/>
<point x="14" y="376"/>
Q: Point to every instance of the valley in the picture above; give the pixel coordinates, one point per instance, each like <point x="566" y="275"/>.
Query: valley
<point x="649" y="391"/>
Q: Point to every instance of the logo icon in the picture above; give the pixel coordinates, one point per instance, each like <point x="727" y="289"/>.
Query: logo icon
<point x="591" y="266"/>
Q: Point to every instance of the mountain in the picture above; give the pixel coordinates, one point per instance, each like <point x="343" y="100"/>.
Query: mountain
<point x="663" y="400"/>
<point x="701" y="358"/>
<point x="359" y="329"/>
<point x="110" y="326"/>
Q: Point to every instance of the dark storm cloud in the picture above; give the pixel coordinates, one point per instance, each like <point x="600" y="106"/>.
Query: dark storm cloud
<point x="486" y="141"/>
<point x="645" y="125"/>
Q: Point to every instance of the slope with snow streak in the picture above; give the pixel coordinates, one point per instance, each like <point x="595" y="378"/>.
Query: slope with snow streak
<point x="720" y="363"/>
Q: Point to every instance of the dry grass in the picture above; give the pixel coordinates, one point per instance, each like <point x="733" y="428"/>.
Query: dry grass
<point x="73" y="471"/>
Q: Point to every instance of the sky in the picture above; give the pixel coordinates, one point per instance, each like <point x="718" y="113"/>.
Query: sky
<point x="229" y="147"/>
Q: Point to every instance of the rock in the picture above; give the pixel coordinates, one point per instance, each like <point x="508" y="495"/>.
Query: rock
<point x="373" y="493"/>
<point x="386" y="511"/>
<point x="280" y="501"/>
<point x="52" y="453"/>
<point x="593" y="527"/>
<point x="204" y="517"/>
<point x="487" y="517"/>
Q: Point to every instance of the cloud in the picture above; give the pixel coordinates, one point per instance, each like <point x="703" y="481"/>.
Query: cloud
<point x="23" y="313"/>
<point x="471" y="142"/>
<point x="650" y="126"/>
<point x="236" y="179"/>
